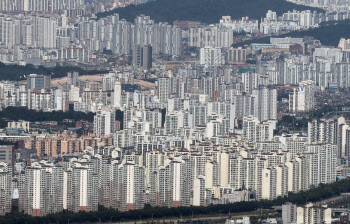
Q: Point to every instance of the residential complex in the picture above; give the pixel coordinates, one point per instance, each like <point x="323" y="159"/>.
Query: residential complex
<point x="167" y="115"/>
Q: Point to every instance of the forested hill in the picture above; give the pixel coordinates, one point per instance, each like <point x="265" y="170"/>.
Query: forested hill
<point x="206" y="11"/>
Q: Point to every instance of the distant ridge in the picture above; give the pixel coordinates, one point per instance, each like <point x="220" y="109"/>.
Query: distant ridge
<point x="206" y="11"/>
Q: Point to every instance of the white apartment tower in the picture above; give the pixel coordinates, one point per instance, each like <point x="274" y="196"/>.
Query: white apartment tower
<point x="5" y="188"/>
<point x="211" y="56"/>
<point x="289" y="213"/>
<point x="104" y="122"/>
<point x="118" y="95"/>
<point x="132" y="186"/>
<point x="303" y="98"/>
<point x="324" y="160"/>
<point x="265" y="104"/>
<point x="257" y="132"/>
<point x="323" y="130"/>
<point x="246" y="173"/>
<point x="199" y="191"/>
<point x="314" y="214"/>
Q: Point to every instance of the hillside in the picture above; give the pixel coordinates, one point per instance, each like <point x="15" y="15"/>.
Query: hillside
<point x="328" y="33"/>
<point x="206" y="11"/>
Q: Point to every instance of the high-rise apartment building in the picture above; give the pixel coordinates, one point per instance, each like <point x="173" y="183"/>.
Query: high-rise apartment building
<point x="210" y="36"/>
<point x="322" y="131"/>
<point x="117" y="95"/>
<point x="6" y="154"/>
<point x="303" y="98"/>
<point x="73" y="78"/>
<point x="132" y="184"/>
<point x="211" y="56"/>
<point x="41" y="189"/>
<point x="236" y="55"/>
<point x="274" y="182"/>
<point x="255" y="131"/>
<point x="5" y="188"/>
<point x="82" y="188"/>
<point x="314" y="214"/>
<point x="199" y="193"/>
<point x="289" y="213"/>
<point x="108" y="81"/>
<point x="39" y="6"/>
<point x="104" y="122"/>
<point x="142" y="56"/>
<point x="164" y="88"/>
<point x="324" y="161"/>
<point x="265" y="104"/>
<point x="246" y="173"/>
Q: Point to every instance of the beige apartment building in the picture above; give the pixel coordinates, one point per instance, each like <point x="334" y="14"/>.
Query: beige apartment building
<point x="65" y="144"/>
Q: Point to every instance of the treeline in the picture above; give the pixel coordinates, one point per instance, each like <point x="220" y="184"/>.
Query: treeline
<point x="206" y="11"/>
<point x="289" y="121"/>
<point x="329" y="33"/>
<point x="23" y="113"/>
<point x="317" y="114"/>
<point x="292" y="122"/>
<point x="323" y="191"/>
<point x="19" y="72"/>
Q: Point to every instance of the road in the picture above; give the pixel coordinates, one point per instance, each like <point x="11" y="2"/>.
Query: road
<point x="199" y="218"/>
<point x="222" y="217"/>
<point x="332" y="200"/>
